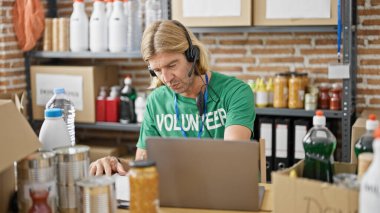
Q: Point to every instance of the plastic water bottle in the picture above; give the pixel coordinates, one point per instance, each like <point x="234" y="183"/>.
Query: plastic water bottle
<point x="53" y="133"/>
<point x="369" y="197"/>
<point x="153" y="11"/>
<point x="127" y="102"/>
<point x="132" y="9"/>
<point x="319" y="144"/>
<point x="78" y="28"/>
<point x="364" y="144"/>
<point x="61" y="101"/>
<point x="140" y="104"/>
<point x="117" y="28"/>
<point x="98" y="28"/>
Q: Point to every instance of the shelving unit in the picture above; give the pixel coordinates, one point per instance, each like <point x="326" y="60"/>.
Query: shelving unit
<point x="346" y="115"/>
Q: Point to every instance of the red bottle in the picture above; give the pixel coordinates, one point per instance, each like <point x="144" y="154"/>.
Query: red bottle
<point x="101" y="105"/>
<point x="324" y="96"/>
<point x="336" y="97"/>
<point x="112" y="105"/>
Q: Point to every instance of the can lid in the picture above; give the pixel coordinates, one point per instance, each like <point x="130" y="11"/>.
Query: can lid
<point x="94" y="181"/>
<point x="53" y="113"/>
<point x="71" y="150"/>
<point x="59" y="90"/>
<point x="142" y="163"/>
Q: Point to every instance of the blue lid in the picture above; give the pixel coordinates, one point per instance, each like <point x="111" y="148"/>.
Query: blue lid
<point x="59" y="90"/>
<point x="53" y="112"/>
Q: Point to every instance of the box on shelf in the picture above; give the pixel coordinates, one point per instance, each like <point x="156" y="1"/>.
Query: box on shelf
<point x="15" y="146"/>
<point x="205" y="14"/>
<point x="260" y="18"/>
<point x="82" y="84"/>
<point x="301" y="195"/>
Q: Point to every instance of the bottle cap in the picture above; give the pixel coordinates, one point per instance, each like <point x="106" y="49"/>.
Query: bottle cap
<point x="141" y="163"/>
<point x="371" y="123"/>
<point x="127" y="80"/>
<point x="53" y="113"/>
<point x="79" y="1"/>
<point x="108" y="0"/>
<point x="319" y="119"/>
<point x="59" y="90"/>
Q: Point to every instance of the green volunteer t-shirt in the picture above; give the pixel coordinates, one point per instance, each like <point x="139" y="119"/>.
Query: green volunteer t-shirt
<point x="230" y="102"/>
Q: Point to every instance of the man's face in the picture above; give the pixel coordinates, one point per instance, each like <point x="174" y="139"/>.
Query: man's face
<point x="172" y="69"/>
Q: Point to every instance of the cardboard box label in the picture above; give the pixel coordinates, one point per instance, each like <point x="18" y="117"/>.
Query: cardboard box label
<point x="211" y="8"/>
<point x="73" y="84"/>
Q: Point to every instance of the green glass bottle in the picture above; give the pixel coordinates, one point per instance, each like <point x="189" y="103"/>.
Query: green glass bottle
<point x="364" y="144"/>
<point x="319" y="145"/>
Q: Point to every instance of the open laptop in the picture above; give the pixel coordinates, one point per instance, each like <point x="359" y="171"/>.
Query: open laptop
<point x="207" y="173"/>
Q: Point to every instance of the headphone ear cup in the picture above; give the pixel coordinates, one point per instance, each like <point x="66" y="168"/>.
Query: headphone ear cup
<point x="192" y="53"/>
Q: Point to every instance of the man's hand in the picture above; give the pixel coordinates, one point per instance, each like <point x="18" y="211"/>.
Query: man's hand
<point x="107" y="165"/>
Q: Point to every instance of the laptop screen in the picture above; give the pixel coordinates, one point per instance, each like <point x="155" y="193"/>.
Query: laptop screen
<point x="206" y="173"/>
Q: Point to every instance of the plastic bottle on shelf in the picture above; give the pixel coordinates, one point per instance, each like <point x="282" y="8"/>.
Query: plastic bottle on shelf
<point x="101" y="105"/>
<point x="117" y="28"/>
<point x="98" y="27"/>
<point x="112" y="105"/>
<point x="364" y="144"/>
<point x="53" y="133"/>
<point x="127" y="102"/>
<point x="261" y="93"/>
<point x="153" y="11"/>
<point x="369" y="198"/>
<point x="140" y="104"/>
<point x="61" y="101"/>
<point x="134" y="32"/>
<point x="319" y="145"/>
<point x="78" y="27"/>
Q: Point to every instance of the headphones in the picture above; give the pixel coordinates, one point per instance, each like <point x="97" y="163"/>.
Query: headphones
<point x="191" y="54"/>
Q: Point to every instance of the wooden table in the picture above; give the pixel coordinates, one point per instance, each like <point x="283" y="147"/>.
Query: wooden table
<point x="267" y="206"/>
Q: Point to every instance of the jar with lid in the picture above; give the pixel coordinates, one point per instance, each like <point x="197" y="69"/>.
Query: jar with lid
<point x="311" y="101"/>
<point x="296" y="91"/>
<point x="143" y="180"/>
<point x="336" y="97"/>
<point x="324" y="96"/>
<point x="280" y="90"/>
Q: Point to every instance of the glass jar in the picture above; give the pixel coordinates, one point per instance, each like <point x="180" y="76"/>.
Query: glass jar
<point x="311" y="101"/>
<point x="143" y="180"/>
<point x="324" y="96"/>
<point x="305" y="80"/>
<point x="280" y="93"/>
<point x="296" y="91"/>
<point x="336" y="97"/>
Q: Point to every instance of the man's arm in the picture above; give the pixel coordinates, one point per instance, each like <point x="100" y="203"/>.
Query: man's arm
<point x="237" y="132"/>
<point x="141" y="154"/>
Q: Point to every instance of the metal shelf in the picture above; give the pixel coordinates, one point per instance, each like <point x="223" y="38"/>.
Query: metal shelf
<point x="83" y="55"/>
<point x="110" y="126"/>
<point x="296" y="112"/>
<point x="265" y="29"/>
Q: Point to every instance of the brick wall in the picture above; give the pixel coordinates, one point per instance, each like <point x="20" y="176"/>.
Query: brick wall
<point x="12" y="71"/>
<point x="245" y="55"/>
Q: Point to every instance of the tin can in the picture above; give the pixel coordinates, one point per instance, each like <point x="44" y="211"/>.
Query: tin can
<point x="97" y="195"/>
<point x="37" y="182"/>
<point x="73" y="164"/>
<point x="143" y="180"/>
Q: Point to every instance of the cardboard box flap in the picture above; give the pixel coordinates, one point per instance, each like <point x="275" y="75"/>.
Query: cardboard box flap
<point x="17" y="137"/>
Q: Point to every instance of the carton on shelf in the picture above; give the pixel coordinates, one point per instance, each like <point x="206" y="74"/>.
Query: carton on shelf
<point x="300" y="195"/>
<point x="82" y="85"/>
<point x="17" y="141"/>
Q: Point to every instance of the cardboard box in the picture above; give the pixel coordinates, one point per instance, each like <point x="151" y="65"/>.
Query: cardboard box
<point x="82" y="85"/>
<point x="358" y="129"/>
<point x="19" y="98"/>
<point x="15" y="146"/>
<point x="244" y="17"/>
<point x="259" y="17"/>
<point x="300" y="195"/>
